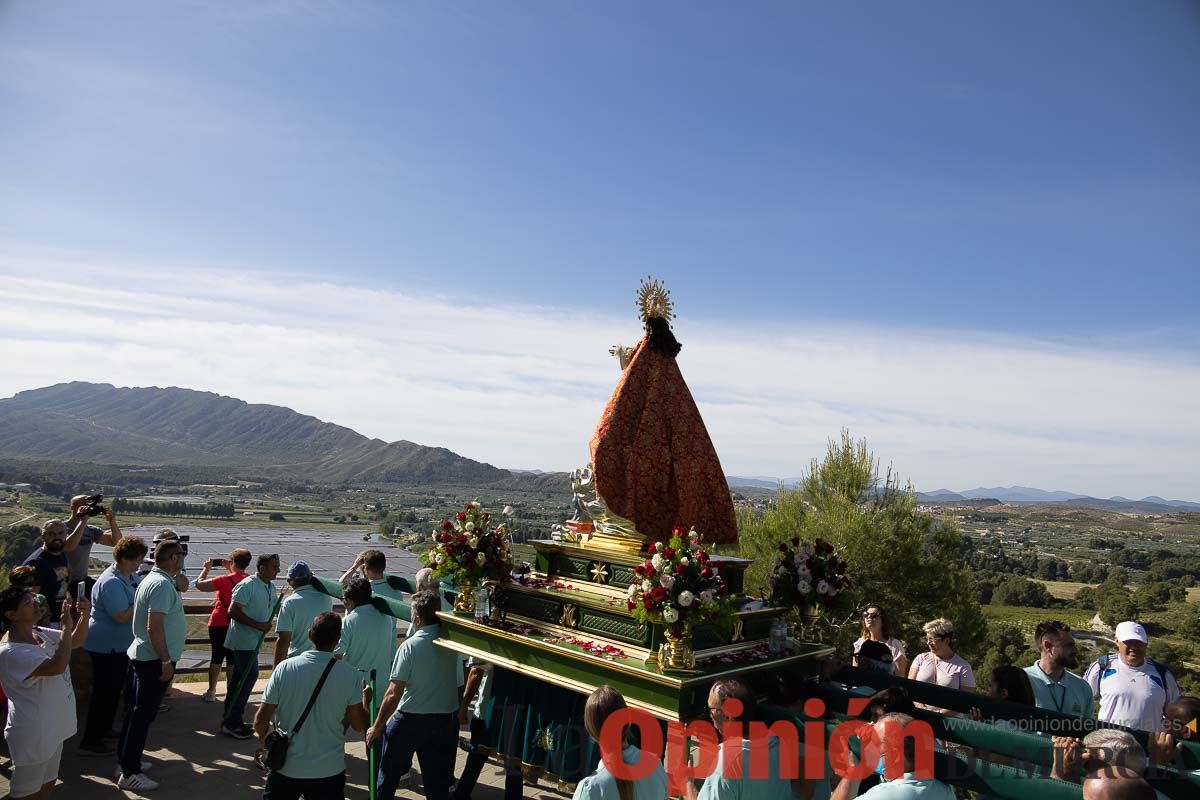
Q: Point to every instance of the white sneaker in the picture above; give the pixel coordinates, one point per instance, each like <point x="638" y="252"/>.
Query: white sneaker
<point x="117" y="775"/>
<point x="139" y="782"/>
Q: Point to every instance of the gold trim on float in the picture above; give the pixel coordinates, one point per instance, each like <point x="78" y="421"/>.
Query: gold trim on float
<point x="551" y="677"/>
<point x="641" y="674"/>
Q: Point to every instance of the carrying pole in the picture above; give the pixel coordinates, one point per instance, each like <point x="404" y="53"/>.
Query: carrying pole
<point x="372" y="762"/>
<point x="253" y="665"/>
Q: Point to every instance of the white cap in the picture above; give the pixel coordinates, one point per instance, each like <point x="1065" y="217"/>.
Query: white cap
<point x="1131" y="631"/>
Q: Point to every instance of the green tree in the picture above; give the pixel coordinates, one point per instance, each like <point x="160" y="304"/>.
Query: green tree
<point x="1153" y="596"/>
<point x="1086" y="598"/>
<point x="1017" y="591"/>
<point x="1188" y="625"/>
<point x="1009" y="646"/>
<point x="909" y="563"/>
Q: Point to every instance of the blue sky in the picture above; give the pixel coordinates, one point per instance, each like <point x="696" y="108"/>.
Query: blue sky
<point x="1022" y="176"/>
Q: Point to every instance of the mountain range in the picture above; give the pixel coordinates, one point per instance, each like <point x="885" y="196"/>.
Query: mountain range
<point x="1014" y="494"/>
<point x="102" y="424"/>
<point x="97" y="423"/>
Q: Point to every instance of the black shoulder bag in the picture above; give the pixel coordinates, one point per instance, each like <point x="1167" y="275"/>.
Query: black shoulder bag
<point x="275" y="748"/>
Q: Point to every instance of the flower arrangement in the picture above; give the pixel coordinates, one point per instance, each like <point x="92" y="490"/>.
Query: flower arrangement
<point x="468" y="549"/>
<point x="807" y="574"/>
<point x="677" y="585"/>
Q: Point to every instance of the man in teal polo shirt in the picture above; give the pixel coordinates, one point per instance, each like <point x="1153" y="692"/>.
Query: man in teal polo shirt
<point x="423" y="693"/>
<point x="250" y="609"/>
<point x="910" y="785"/>
<point x="159" y="632"/>
<point x="297" y="612"/>
<point x="368" y="637"/>
<point x="315" y="767"/>
<point x="1054" y="687"/>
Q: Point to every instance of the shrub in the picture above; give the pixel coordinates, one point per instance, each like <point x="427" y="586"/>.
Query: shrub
<point x="275" y="516"/>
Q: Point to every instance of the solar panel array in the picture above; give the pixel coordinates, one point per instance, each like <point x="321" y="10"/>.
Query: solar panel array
<point x="328" y="552"/>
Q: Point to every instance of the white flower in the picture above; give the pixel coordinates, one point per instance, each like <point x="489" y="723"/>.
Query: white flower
<point x="667" y="581"/>
<point x="439" y="558"/>
<point x="633" y="589"/>
<point x="670" y="615"/>
<point x="802" y="573"/>
<point x="657" y="561"/>
<point x="470" y="526"/>
<point x="473" y="542"/>
<point x="686" y="598"/>
<point x="823" y="587"/>
<point x="684" y="561"/>
<point x="647" y="586"/>
<point x="706" y="596"/>
<point x="799" y="559"/>
<point x="475" y="504"/>
<point x="508" y="510"/>
<point x="803" y="587"/>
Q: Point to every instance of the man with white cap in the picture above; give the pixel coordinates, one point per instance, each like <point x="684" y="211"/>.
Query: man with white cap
<point x="1133" y="690"/>
<point x="297" y="612"/>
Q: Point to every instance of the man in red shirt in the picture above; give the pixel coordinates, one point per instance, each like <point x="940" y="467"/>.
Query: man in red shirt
<point x="218" y="622"/>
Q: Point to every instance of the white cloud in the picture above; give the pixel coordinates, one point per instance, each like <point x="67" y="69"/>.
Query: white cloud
<point x="523" y="386"/>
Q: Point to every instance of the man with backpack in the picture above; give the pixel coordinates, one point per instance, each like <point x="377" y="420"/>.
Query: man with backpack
<point x="1134" y="690"/>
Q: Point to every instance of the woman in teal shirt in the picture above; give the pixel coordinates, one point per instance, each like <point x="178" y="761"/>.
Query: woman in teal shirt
<point x="603" y="785"/>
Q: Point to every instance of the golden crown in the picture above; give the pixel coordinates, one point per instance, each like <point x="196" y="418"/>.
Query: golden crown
<point x="654" y="299"/>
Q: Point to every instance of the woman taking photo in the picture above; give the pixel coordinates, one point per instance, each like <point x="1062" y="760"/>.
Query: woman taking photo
<point x="41" y="703"/>
<point x="602" y="785"/>
<point x="878" y="627"/>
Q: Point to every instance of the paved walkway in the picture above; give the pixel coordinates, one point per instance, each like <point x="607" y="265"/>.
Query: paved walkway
<point x="192" y="761"/>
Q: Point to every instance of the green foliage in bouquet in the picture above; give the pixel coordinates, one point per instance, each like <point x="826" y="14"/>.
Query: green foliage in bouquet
<point x="678" y="586"/>
<point x="469" y="549"/>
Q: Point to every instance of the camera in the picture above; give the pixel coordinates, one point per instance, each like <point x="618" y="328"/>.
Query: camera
<point x="93" y="507"/>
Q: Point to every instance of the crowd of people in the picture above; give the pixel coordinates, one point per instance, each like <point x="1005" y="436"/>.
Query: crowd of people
<point x="130" y="623"/>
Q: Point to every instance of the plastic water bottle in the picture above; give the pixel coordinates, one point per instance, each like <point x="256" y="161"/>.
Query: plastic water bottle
<point x="777" y="644"/>
<point x="483" y="606"/>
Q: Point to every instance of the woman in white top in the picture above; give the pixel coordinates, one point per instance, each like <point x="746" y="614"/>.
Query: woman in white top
<point x="941" y="665"/>
<point x="878" y="627"/>
<point x="603" y="785"/>
<point x="41" y="703"/>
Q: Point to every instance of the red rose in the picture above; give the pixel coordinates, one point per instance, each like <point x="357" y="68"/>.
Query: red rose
<point x="647" y="603"/>
<point x="706" y="573"/>
<point x="462" y="538"/>
<point x="701" y="556"/>
<point x="447" y="525"/>
<point x="449" y="550"/>
<point x="468" y="558"/>
<point x="487" y="517"/>
<point x="680" y="569"/>
<point x="659" y="594"/>
<point x="639" y="569"/>
<point x="669" y="553"/>
<point x="651" y="571"/>
<point x="631" y="604"/>
<point x="652" y="547"/>
<point x="795" y="541"/>
<point x="462" y="516"/>
<point x="679" y="531"/>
